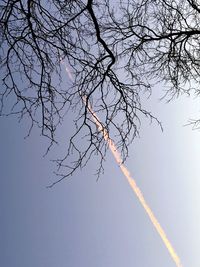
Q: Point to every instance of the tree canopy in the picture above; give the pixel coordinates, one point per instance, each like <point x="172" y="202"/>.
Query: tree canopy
<point x="115" y="51"/>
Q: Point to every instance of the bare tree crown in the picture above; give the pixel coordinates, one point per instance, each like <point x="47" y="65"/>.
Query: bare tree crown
<point x="115" y="50"/>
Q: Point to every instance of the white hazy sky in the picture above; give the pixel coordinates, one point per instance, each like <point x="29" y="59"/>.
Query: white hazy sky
<point x="81" y="222"/>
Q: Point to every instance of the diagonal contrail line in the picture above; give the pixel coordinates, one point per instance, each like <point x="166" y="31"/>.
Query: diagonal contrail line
<point x="131" y="181"/>
<point x="136" y="189"/>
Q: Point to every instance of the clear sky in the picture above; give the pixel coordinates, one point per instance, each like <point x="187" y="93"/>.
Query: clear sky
<point x="81" y="222"/>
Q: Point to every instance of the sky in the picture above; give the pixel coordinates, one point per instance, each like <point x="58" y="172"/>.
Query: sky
<point x="84" y="222"/>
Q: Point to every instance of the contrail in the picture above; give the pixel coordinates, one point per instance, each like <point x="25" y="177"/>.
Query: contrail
<point x="136" y="189"/>
<point x="67" y="69"/>
<point x="133" y="184"/>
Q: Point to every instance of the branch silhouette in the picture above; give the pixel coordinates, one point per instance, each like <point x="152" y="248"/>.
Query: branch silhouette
<point x="116" y="52"/>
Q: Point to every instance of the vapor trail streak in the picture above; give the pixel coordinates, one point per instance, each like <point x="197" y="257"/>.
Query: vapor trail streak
<point x="136" y="190"/>
<point x="132" y="182"/>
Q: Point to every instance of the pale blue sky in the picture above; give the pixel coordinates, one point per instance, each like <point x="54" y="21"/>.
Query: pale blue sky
<point x="81" y="222"/>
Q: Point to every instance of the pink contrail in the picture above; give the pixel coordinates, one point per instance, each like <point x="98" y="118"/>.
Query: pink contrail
<point x="133" y="185"/>
<point x="137" y="190"/>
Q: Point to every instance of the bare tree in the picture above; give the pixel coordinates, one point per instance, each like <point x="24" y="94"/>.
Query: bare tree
<point x="116" y="51"/>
